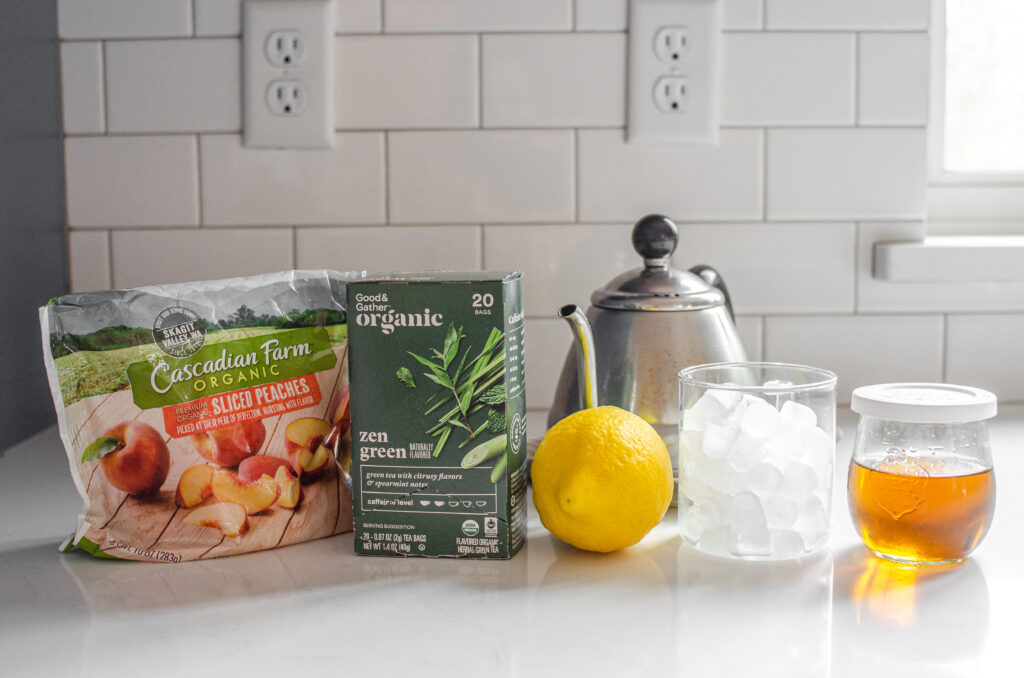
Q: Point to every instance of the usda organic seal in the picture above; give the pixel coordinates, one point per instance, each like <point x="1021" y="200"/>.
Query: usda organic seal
<point x="470" y="528"/>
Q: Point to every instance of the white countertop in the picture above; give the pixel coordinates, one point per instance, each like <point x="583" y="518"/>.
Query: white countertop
<point x="656" y="609"/>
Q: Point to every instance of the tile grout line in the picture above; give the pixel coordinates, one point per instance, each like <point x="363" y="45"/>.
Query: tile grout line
<point x="199" y="184"/>
<point x="576" y="174"/>
<point x="193" y="9"/>
<point x="856" y="79"/>
<point x="103" y="83"/>
<point x="295" y="247"/>
<point x="383" y="29"/>
<point x="110" y="258"/>
<point x="764" y="174"/>
<point x="479" y="80"/>
<point x="483" y="248"/>
<point x="945" y="347"/>
<point x="856" y="267"/>
<point x="387" y="177"/>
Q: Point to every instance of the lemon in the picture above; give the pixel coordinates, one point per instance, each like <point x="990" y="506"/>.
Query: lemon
<point x="602" y="478"/>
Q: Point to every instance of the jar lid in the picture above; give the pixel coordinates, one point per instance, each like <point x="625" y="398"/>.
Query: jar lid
<point x="657" y="286"/>
<point x="924" y="403"/>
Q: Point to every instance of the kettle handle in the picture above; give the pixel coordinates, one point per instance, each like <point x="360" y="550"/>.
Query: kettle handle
<point x="711" y="277"/>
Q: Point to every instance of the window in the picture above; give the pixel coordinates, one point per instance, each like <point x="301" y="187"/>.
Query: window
<point x="976" y="144"/>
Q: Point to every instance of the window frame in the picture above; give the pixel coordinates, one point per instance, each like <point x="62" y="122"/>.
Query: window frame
<point x="963" y="203"/>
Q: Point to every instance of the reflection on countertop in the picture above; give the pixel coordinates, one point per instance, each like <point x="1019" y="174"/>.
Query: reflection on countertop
<point x="657" y="609"/>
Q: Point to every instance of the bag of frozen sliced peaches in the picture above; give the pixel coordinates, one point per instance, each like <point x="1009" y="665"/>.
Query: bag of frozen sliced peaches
<point x="204" y="419"/>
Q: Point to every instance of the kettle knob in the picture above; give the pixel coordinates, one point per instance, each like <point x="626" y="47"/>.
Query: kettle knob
<point x="655" y="238"/>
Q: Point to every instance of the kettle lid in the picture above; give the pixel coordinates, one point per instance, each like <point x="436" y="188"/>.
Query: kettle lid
<point x="657" y="286"/>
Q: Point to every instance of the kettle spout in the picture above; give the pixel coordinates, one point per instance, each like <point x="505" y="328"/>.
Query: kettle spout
<point x="586" y="361"/>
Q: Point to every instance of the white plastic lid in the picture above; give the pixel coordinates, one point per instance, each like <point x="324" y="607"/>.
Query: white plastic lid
<point x="924" y="403"/>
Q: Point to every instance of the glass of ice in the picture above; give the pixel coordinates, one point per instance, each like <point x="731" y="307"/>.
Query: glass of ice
<point x="756" y="452"/>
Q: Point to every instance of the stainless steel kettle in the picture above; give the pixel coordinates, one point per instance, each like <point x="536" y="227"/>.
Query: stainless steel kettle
<point x="647" y="324"/>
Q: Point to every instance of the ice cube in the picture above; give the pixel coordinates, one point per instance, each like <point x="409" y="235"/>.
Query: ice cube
<point x="786" y="544"/>
<point x="694" y="488"/>
<point x="780" y="512"/>
<point x="764" y="480"/>
<point x="800" y="416"/>
<point x="746" y="452"/>
<point x="812" y="521"/>
<point x="785" y="444"/>
<point x="716" y="542"/>
<point x="754" y="542"/>
<point x="798" y="480"/>
<point x="759" y="419"/>
<point x="691" y="441"/>
<point x="746" y="515"/>
<point x="719" y="437"/>
<point x="702" y="516"/>
<point x="713" y="472"/>
<point x="713" y="406"/>
<point x="819" y="447"/>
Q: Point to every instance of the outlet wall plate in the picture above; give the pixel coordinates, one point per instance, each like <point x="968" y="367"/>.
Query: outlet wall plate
<point x="674" y="58"/>
<point x="288" y="73"/>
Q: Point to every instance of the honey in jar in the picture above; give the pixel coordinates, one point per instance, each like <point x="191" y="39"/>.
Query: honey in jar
<point x="921" y="485"/>
<point x="922" y="511"/>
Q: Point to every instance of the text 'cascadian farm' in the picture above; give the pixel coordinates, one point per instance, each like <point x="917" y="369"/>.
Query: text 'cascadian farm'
<point x="236" y="369"/>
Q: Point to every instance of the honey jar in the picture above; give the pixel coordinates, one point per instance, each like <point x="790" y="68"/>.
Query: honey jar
<point x="921" y="483"/>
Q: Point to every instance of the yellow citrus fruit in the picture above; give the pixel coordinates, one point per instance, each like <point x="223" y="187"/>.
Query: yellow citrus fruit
<point x="602" y="478"/>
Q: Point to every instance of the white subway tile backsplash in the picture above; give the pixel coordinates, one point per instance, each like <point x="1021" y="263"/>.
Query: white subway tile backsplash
<point x="377" y="249"/>
<point x="874" y="295"/>
<point x="561" y="264"/>
<point x="173" y="86"/>
<point x="777" y="268"/>
<point x="742" y="14"/>
<point x="218" y="17"/>
<point x="846" y="173"/>
<point x="380" y="77"/>
<point x="612" y="15"/>
<point x="358" y="16"/>
<point x="223" y="17"/>
<point x="554" y="80"/>
<point x="244" y="186"/>
<point x="751" y="331"/>
<point x="847" y="14"/>
<point x="620" y="182"/>
<point x="893" y="79"/>
<point x="124" y="18"/>
<point x="81" y="69"/>
<point x="860" y="349"/>
<point x="984" y="351"/>
<point x="547" y="344"/>
<point x="155" y="257"/>
<point x="477" y="15"/>
<point x="89" y="260"/>
<point x="131" y="181"/>
<point x="602" y="15"/>
<point x="787" y="79"/>
<point x="476" y="176"/>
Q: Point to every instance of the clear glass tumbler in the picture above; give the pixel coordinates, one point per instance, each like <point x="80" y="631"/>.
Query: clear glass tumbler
<point x="921" y="485"/>
<point x="757" y="449"/>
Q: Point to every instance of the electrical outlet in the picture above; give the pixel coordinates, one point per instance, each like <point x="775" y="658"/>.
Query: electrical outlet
<point x="286" y="48"/>
<point x="672" y="44"/>
<point x="288" y="73"/>
<point x="671" y="96"/>
<point x="674" y="66"/>
<point x="287" y="97"/>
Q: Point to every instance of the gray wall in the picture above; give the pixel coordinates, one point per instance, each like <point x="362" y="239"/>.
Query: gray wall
<point x="33" y="255"/>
